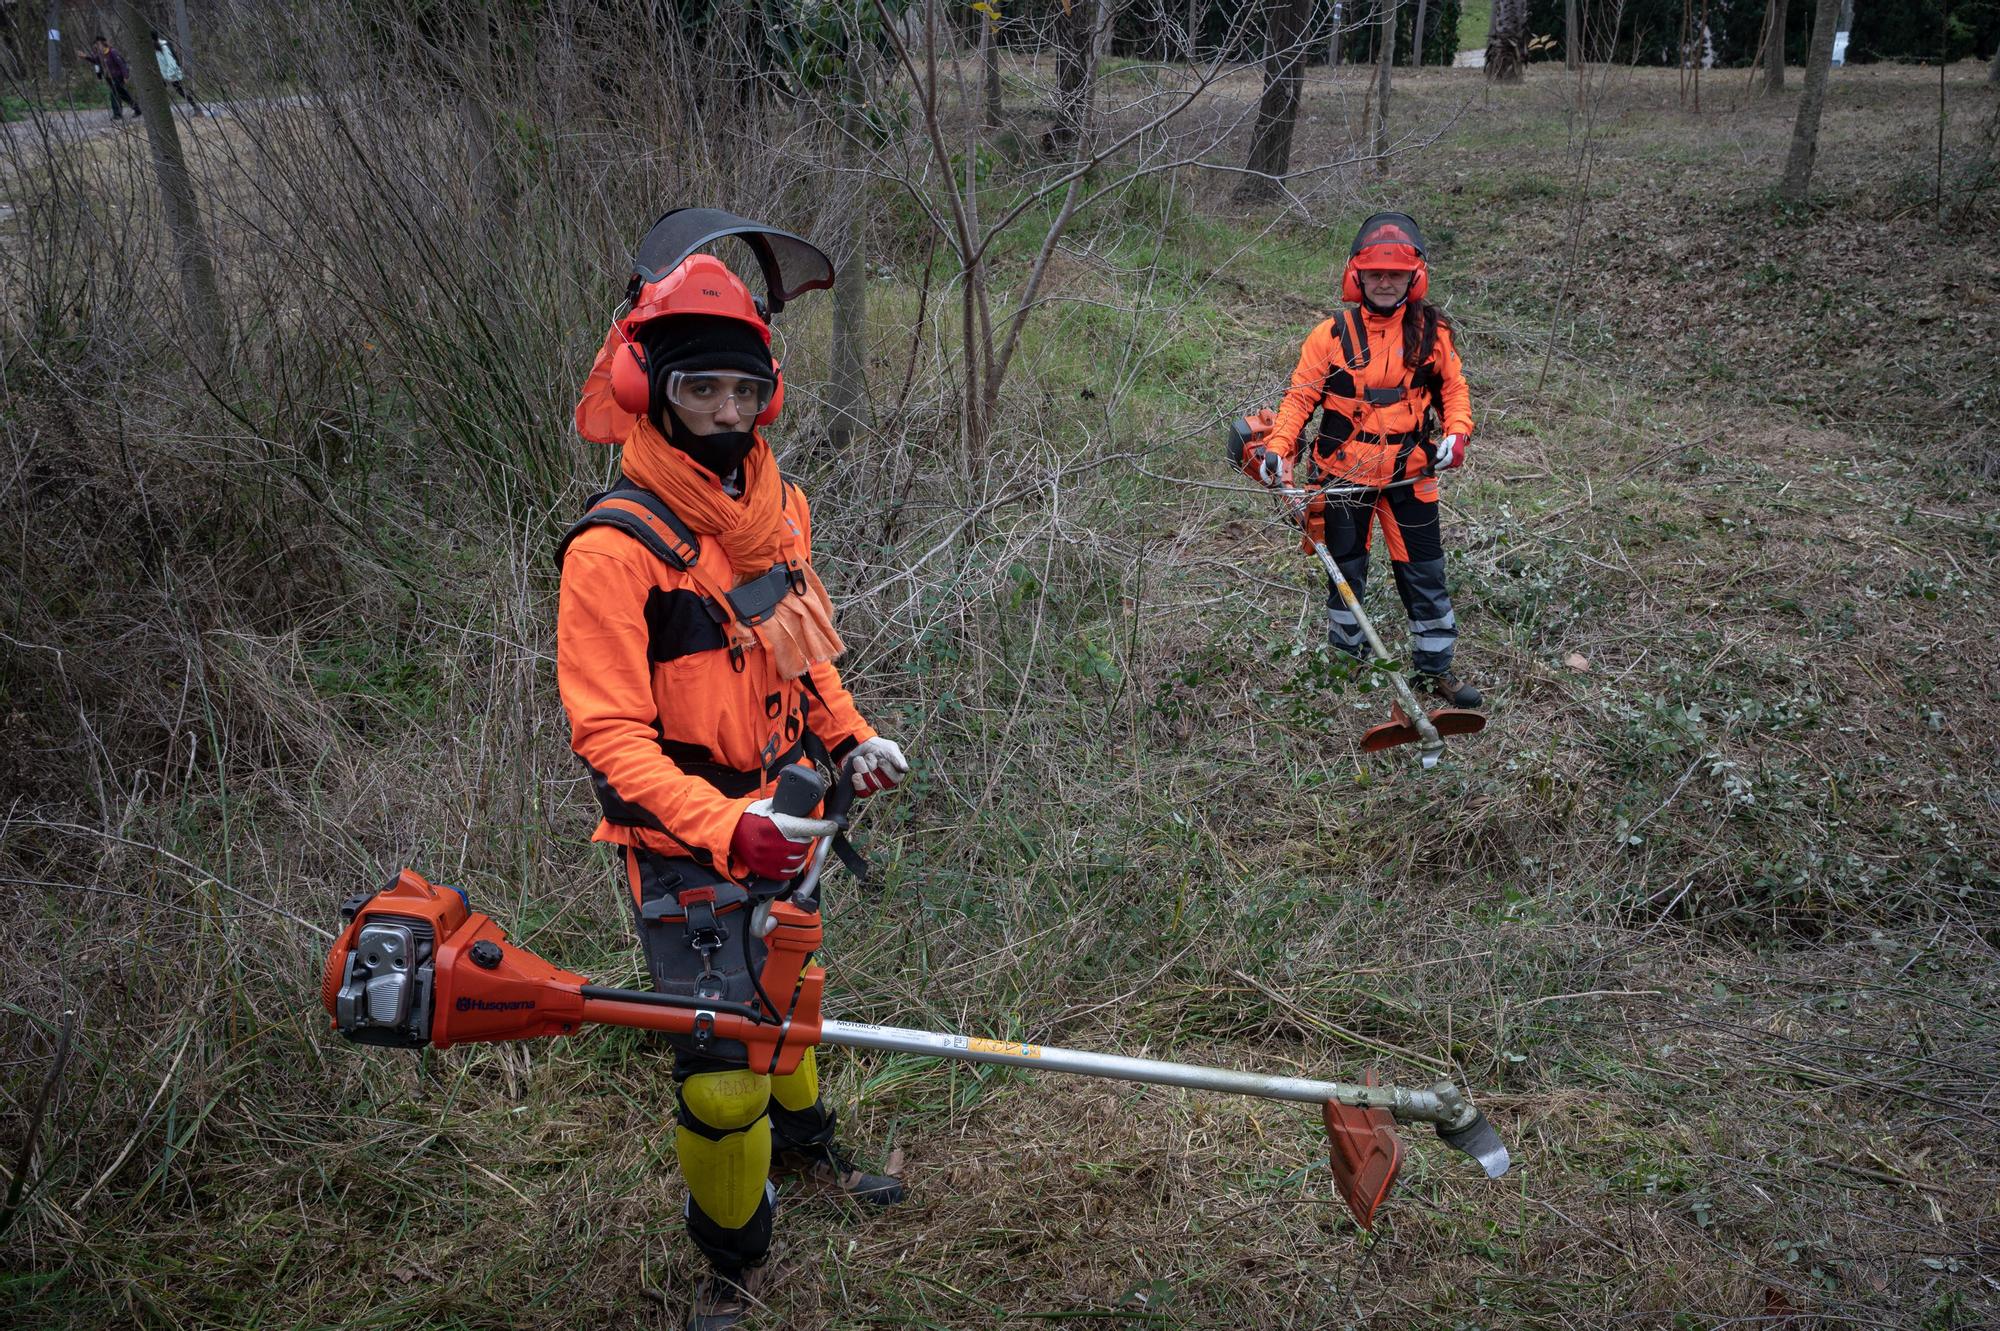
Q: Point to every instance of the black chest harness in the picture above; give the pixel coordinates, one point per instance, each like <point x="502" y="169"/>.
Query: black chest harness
<point x="1420" y="378"/>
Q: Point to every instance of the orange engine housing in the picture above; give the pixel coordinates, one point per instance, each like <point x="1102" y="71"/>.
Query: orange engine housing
<point x="416" y="966"/>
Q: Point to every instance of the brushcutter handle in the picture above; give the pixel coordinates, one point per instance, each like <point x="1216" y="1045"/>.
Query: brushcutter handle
<point x="838" y="801"/>
<point x="800" y="789"/>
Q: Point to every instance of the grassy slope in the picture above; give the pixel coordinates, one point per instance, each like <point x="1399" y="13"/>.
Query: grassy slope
<point x="1475" y="18"/>
<point x="1707" y="924"/>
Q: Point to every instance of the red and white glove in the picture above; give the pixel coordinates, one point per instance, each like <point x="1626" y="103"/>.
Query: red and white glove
<point x="775" y="845"/>
<point x="877" y="765"/>
<point x="1450" y="451"/>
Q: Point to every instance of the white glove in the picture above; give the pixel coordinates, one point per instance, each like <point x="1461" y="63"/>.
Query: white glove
<point x="1273" y="469"/>
<point x="1450" y="452"/>
<point x="877" y="765"/>
<point x="791" y="826"/>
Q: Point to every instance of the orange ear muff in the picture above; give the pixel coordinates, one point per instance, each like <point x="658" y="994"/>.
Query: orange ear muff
<point x="777" y="402"/>
<point x="1421" y="283"/>
<point x="631" y="381"/>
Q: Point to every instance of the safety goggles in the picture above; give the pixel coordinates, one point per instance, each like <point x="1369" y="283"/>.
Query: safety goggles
<point x="704" y="392"/>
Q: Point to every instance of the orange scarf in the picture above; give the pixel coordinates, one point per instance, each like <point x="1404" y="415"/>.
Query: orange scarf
<point x="751" y="530"/>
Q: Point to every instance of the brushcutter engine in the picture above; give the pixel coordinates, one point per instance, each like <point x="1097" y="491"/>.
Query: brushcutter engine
<point x="387" y="981"/>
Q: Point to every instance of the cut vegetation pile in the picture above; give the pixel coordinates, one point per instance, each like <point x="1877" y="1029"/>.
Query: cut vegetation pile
<point x="1705" y="918"/>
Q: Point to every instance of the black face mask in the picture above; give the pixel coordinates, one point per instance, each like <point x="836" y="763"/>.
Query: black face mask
<point x="721" y="453"/>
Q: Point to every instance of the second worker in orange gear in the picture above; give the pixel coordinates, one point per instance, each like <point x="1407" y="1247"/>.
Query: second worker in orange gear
<point x="1385" y="376"/>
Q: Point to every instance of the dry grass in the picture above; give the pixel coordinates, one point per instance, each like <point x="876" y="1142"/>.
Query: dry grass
<point x="1708" y="926"/>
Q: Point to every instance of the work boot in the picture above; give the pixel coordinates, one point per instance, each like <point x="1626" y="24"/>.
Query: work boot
<point x="830" y="1166"/>
<point x="1450" y="688"/>
<point x="723" y="1299"/>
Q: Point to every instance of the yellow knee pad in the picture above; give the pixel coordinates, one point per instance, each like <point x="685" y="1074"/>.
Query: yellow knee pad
<point x="798" y="1089"/>
<point x="724" y="1143"/>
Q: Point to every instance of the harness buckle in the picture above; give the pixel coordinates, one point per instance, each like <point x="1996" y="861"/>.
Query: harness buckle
<point x="705" y="933"/>
<point x="796" y="575"/>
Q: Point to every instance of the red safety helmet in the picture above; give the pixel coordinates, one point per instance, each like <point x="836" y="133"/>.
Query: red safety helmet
<point x="1388" y="241"/>
<point x="669" y="278"/>
<point x="702" y="284"/>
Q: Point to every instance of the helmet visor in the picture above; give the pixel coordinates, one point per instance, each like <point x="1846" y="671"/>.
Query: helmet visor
<point x="1388" y="240"/>
<point x="706" y="392"/>
<point x="790" y="264"/>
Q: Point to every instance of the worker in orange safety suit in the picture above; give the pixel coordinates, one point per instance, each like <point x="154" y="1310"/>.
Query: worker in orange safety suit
<point x="1385" y="376"/>
<point x="695" y="649"/>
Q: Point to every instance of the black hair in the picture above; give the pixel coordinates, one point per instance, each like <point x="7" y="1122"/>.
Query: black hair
<point x="1421" y="321"/>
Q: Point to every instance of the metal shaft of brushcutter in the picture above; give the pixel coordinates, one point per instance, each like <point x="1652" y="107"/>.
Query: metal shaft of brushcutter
<point x="1429" y="743"/>
<point x="1443" y="1105"/>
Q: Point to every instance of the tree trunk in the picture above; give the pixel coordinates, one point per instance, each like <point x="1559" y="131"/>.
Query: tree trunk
<point x="1417" y="34"/>
<point x="1993" y="69"/>
<point x="1285" y="24"/>
<point x="1385" y="58"/>
<point x="492" y="183"/>
<point x="186" y="51"/>
<point x="1333" y="41"/>
<point x="1805" y="131"/>
<point x="1572" y="37"/>
<point x="991" y="111"/>
<point x="55" y="43"/>
<point x="847" y="379"/>
<point x="1076" y="44"/>
<point x="1192" y="37"/>
<point x="206" y="326"/>
<point x="1774" y="46"/>
<point x="1507" y="41"/>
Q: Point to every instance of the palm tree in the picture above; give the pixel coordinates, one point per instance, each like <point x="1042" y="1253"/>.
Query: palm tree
<point x="1507" y="41"/>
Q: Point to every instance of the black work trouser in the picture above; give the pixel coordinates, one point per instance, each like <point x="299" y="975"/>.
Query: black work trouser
<point x="1416" y="557"/>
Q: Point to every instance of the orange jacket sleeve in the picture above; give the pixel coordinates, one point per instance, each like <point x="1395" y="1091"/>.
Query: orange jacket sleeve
<point x="606" y="685"/>
<point x="836" y="720"/>
<point x="1455" y="405"/>
<point x="1316" y="359"/>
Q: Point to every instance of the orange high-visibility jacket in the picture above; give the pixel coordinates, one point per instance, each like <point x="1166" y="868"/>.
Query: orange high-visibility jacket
<point x="680" y="734"/>
<point x="1371" y="433"/>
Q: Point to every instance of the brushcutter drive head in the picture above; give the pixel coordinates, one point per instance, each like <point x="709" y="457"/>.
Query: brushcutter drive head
<point x="1448" y="720"/>
<point x="1479" y="1140"/>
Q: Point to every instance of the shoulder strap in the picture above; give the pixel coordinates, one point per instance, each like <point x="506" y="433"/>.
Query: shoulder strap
<point x="1353" y="338"/>
<point x="643" y="516"/>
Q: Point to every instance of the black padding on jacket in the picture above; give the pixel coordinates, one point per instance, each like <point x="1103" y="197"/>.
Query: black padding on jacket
<point x="678" y="624"/>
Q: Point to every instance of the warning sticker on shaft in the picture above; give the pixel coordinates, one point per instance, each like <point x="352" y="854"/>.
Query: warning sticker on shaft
<point x="979" y="1046"/>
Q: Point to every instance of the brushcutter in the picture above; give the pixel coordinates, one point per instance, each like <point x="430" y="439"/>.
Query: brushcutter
<point x="1305" y="507"/>
<point x="416" y="965"/>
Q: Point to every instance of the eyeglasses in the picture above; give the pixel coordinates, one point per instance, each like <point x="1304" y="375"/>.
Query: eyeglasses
<point x="705" y="392"/>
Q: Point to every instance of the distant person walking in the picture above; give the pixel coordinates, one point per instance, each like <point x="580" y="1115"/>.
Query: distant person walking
<point x="111" y="67"/>
<point x="171" y="73"/>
